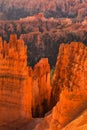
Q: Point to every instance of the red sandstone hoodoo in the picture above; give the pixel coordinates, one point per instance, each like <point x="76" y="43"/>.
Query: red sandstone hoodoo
<point x="70" y="78"/>
<point x="20" y="86"/>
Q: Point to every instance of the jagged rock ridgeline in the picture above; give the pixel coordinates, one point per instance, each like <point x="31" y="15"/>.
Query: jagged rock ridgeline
<point x="18" y="82"/>
<point x="27" y="91"/>
<point x="69" y="90"/>
<point x="10" y="9"/>
<point x="44" y="35"/>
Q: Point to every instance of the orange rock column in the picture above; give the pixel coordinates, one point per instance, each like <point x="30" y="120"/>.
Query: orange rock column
<point x="41" y="87"/>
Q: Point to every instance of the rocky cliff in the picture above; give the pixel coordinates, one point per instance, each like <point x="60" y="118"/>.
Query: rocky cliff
<point x="70" y="71"/>
<point x="41" y="87"/>
<point x="43" y="36"/>
<point x="11" y="9"/>
<point x="80" y="123"/>
<point x="15" y="82"/>
<point x="27" y="91"/>
<point x="24" y="90"/>
<point x="69" y="89"/>
<point x="70" y="77"/>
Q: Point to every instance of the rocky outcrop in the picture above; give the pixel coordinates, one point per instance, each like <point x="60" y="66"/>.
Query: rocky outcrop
<point x="41" y="87"/>
<point x="15" y="82"/>
<point x="23" y="90"/>
<point x="27" y="91"/>
<point x="80" y="123"/>
<point x="69" y="107"/>
<point x="70" y="71"/>
<point x="70" y="77"/>
<point x="44" y="35"/>
<point x="69" y="89"/>
<point x="10" y="9"/>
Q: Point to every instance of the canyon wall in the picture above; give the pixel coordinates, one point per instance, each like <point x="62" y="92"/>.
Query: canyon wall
<point x="70" y="78"/>
<point x="70" y="70"/>
<point x="43" y="36"/>
<point x="23" y="91"/>
<point x="11" y="9"/>
<point x="69" y="90"/>
<point x="15" y="83"/>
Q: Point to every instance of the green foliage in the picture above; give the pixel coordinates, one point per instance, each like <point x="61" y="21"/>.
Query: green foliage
<point x="52" y="72"/>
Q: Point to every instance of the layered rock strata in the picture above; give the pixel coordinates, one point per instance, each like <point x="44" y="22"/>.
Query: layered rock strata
<point x="15" y="82"/>
<point x="23" y="91"/>
<point x="70" y="112"/>
<point x="41" y="87"/>
<point x="70" y="77"/>
<point x="71" y="68"/>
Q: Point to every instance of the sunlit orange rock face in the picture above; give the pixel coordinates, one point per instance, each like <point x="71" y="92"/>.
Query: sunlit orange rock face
<point x="70" y="77"/>
<point x="80" y="123"/>
<point x="23" y="91"/>
<point x="41" y="87"/>
<point x="71" y="68"/>
<point x="15" y="81"/>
